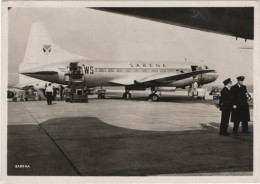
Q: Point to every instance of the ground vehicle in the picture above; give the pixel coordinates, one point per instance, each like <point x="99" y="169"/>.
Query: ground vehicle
<point x="215" y="91"/>
<point x="101" y="93"/>
<point x="10" y="94"/>
<point x="201" y="93"/>
<point x="77" y="90"/>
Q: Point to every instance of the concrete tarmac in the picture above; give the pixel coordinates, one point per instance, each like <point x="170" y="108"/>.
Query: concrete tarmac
<point x="114" y="137"/>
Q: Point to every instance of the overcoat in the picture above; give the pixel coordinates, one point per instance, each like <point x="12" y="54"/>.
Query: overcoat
<point x="239" y="98"/>
<point x="226" y="100"/>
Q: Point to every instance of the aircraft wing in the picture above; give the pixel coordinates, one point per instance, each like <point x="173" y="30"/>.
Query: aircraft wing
<point x="233" y="21"/>
<point x="158" y="78"/>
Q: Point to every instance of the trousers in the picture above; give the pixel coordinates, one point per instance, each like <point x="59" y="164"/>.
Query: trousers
<point x="225" y="115"/>
<point x="49" y="98"/>
<point x="244" y="126"/>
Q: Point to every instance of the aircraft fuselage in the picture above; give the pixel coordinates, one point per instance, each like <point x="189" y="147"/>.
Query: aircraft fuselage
<point x="101" y="73"/>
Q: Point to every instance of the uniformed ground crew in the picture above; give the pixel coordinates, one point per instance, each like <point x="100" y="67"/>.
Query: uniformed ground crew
<point x="49" y="93"/>
<point x="54" y="94"/>
<point x="225" y="103"/>
<point x="240" y="105"/>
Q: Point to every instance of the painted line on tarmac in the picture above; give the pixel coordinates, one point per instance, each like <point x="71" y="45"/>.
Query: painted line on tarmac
<point x="59" y="148"/>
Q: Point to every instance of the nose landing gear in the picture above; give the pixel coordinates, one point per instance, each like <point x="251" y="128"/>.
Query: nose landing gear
<point x="127" y="94"/>
<point x="154" y="97"/>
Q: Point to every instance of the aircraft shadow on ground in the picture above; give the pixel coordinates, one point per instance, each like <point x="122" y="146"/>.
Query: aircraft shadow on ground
<point x="99" y="149"/>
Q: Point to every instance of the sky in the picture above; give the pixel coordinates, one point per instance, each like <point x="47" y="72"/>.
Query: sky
<point x="107" y="36"/>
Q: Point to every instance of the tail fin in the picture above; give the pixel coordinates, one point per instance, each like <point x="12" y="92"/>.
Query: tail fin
<point x="41" y="50"/>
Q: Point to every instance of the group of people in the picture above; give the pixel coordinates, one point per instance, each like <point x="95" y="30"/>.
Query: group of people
<point x="234" y="101"/>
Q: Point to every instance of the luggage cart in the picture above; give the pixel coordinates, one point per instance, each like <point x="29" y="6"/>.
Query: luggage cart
<point x="201" y="93"/>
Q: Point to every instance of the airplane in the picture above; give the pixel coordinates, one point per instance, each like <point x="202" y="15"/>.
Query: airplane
<point x="25" y="89"/>
<point x="232" y="21"/>
<point x="158" y="76"/>
<point x="39" y="85"/>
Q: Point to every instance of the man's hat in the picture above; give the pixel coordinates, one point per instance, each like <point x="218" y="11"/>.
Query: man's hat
<point x="240" y="78"/>
<point x="227" y="81"/>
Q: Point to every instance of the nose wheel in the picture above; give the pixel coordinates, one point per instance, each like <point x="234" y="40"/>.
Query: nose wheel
<point x="154" y="97"/>
<point x="127" y="95"/>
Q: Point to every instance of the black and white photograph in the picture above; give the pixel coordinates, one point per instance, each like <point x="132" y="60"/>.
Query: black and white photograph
<point x="139" y="90"/>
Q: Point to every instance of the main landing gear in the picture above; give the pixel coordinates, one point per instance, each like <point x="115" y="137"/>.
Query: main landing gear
<point x="127" y="94"/>
<point x="154" y="97"/>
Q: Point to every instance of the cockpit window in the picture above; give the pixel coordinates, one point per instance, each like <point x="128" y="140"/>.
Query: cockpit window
<point x="194" y="68"/>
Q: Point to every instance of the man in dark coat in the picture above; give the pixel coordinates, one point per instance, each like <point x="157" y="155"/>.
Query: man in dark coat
<point x="225" y="103"/>
<point x="240" y="105"/>
<point x="61" y="92"/>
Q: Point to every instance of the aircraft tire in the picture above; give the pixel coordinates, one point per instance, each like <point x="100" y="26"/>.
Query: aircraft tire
<point x="154" y="97"/>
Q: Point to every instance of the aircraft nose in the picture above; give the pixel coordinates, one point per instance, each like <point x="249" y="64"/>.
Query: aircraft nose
<point x="212" y="76"/>
<point x="215" y="76"/>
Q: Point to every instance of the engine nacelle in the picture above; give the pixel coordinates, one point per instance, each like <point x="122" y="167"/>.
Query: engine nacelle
<point x="183" y="82"/>
<point x="169" y="89"/>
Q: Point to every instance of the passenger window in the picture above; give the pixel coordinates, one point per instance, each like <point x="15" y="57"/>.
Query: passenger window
<point x="162" y="69"/>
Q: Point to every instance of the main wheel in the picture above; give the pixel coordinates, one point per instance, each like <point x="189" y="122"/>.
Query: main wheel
<point x="154" y="97"/>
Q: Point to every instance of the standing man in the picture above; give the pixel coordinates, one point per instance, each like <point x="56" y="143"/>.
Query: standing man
<point x="195" y="87"/>
<point x="54" y="93"/>
<point x="226" y="107"/>
<point x="190" y="91"/>
<point x="49" y="93"/>
<point x="240" y="105"/>
<point x="61" y="92"/>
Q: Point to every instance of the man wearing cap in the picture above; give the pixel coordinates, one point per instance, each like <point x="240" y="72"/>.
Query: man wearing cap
<point x="226" y="107"/>
<point x="240" y="105"/>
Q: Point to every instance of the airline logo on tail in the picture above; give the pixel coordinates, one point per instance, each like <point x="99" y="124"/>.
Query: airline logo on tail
<point x="47" y="49"/>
